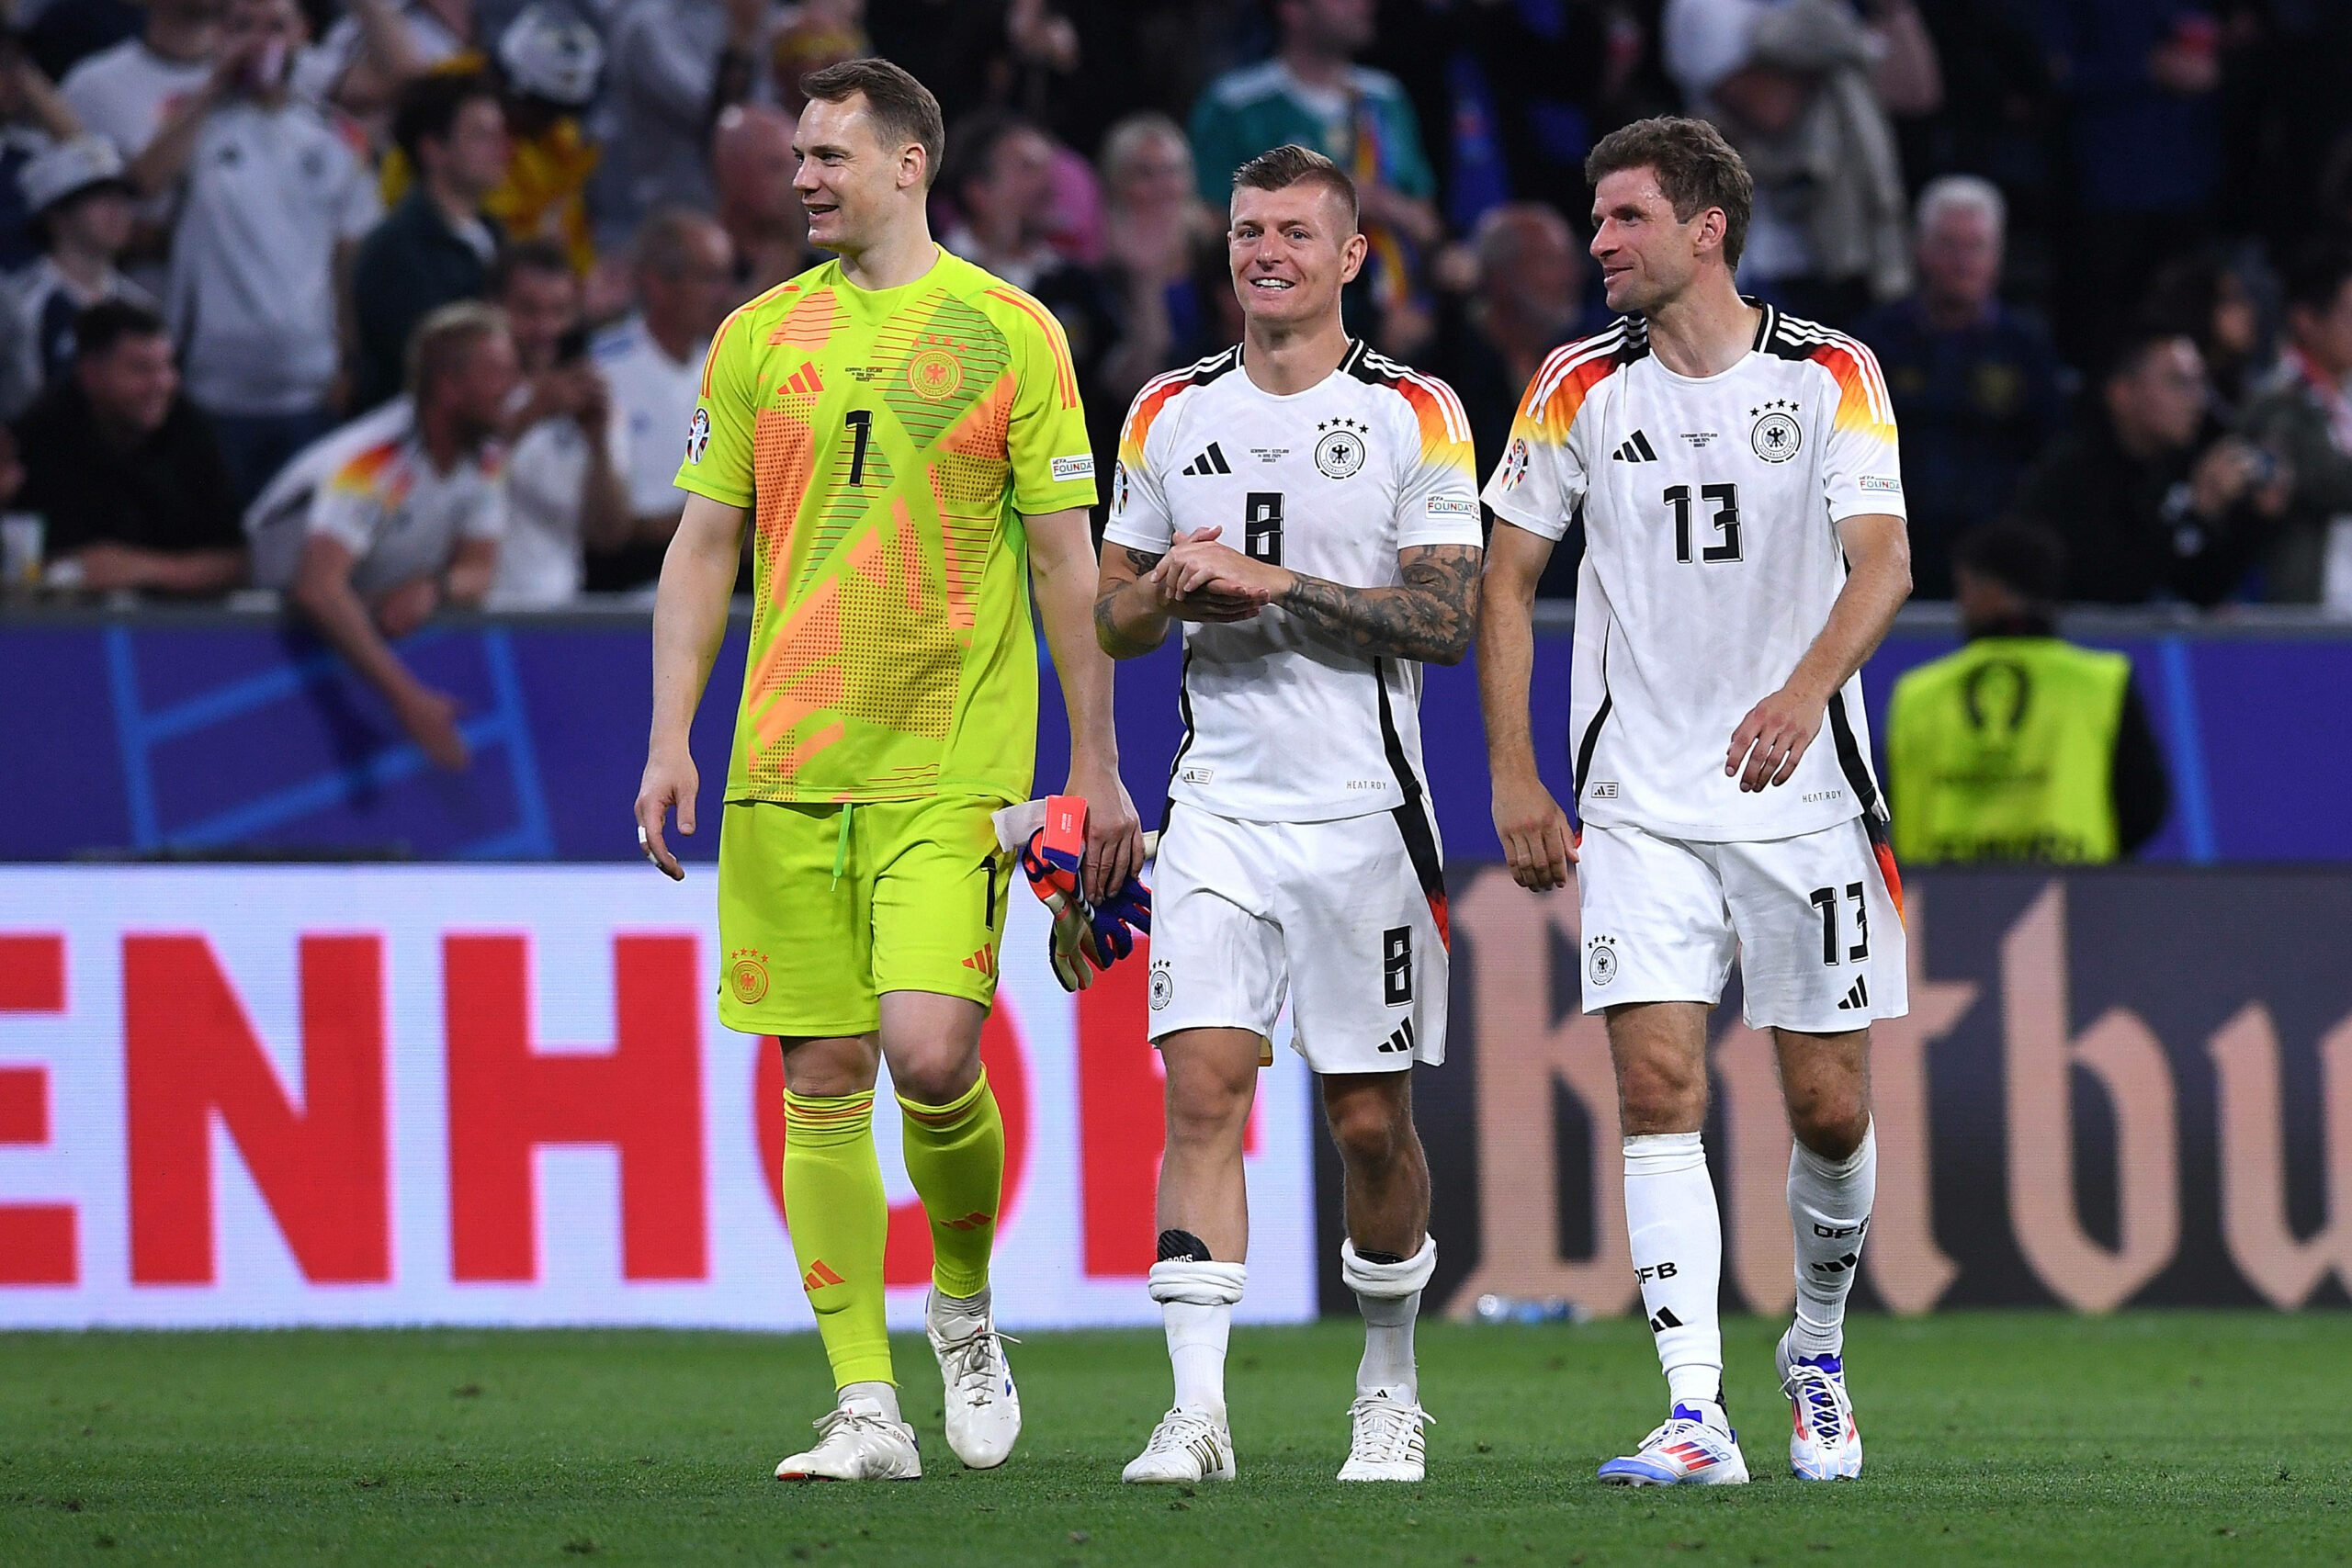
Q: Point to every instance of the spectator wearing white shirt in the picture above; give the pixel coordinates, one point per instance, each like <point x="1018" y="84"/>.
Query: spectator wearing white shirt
<point x="564" y="458"/>
<point x="124" y="94"/>
<point x="398" y="514"/>
<point x="81" y="204"/>
<point x="654" y="360"/>
<point x="272" y="203"/>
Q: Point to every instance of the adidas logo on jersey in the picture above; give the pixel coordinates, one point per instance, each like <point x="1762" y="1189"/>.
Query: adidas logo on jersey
<point x="1636" y="449"/>
<point x="1857" y="998"/>
<point x="818" y="1276"/>
<point x="1209" y="462"/>
<point x="1400" y="1041"/>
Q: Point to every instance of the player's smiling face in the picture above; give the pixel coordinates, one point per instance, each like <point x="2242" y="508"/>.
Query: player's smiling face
<point x="1291" y="251"/>
<point x="1646" y="255"/>
<point x="849" y="181"/>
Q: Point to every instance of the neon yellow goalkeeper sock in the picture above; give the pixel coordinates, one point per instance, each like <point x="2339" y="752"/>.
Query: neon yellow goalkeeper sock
<point x="840" y="1220"/>
<point x="955" y="1158"/>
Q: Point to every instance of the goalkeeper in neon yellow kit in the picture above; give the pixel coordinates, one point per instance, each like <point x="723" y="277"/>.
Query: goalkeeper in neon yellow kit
<point x="904" y="431"/>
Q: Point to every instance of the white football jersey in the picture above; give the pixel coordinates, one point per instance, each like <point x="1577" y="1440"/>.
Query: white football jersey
<point x="1712" y="560"/>
<point x="1282" y="723"/>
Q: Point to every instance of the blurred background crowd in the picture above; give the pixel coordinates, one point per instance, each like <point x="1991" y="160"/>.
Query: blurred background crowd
<point x="2102" y="248"/>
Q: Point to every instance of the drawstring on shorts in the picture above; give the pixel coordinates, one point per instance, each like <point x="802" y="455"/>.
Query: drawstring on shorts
<point x="840" y="846"/>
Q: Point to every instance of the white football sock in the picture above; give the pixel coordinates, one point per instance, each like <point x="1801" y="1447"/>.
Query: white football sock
<point x="883" y="1394"/>
<point x="1678" y="1253"/>
<point x="1390" y="1295"/>
<point x="1196" y="1301"/>
<point x="1829" y="1208"/>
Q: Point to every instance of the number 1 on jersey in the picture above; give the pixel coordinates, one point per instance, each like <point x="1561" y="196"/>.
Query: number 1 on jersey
<point x="861" y="421"/>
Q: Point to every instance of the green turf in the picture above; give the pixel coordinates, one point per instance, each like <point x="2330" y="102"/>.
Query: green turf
<point x="2150" y="1438"/>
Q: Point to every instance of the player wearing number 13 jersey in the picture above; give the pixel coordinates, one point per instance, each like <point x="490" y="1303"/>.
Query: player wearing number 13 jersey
<point x="1742" y="498"/>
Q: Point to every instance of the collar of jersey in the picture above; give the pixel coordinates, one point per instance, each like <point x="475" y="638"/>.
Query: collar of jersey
<point x="1241" y="363"/>
<point x="874" y="304"/>
<point x="1766" y="325"/>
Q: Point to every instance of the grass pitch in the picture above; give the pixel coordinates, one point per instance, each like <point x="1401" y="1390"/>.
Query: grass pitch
<point x="2172" y="1437"/>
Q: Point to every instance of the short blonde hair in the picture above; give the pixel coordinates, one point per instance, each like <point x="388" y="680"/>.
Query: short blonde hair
<point x="1124" y="139"/>
<point x="442" y="338"/>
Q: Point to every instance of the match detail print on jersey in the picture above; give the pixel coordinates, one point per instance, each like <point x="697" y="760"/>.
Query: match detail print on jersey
<point x="1331" y="482"/>
<point x="1710" y="508"/>
<point x="886" y="442"/>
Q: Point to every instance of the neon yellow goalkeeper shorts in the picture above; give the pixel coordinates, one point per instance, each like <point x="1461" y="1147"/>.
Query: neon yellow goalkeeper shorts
<point x="821" y="908"/>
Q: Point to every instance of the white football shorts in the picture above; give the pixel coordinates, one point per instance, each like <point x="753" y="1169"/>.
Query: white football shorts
<point x="1335" y="915"/>
<point x="1816" y="921"/>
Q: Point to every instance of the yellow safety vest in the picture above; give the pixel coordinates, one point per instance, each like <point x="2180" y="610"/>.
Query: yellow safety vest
<point x="2005" y="751"/>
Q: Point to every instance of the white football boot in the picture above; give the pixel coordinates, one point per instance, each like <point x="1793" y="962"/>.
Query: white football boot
<point x="1187" y="1446"/>
<point x="1386" y="1443"/>
<point x="1824" y="1442"/>
<point x="857" y="1442"/>
<point x="1696" y="1446"/>
<point x="983" y="1407"/>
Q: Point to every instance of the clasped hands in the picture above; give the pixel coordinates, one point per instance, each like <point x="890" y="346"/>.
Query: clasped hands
<point x="1201" y="580"/>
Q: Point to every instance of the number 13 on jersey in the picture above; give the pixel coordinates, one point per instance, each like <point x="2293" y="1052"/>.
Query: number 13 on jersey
<point x="1725" y="499"/>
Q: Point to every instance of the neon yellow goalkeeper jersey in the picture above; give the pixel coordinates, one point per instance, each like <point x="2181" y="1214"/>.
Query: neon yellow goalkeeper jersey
<point x="886" y="442"/>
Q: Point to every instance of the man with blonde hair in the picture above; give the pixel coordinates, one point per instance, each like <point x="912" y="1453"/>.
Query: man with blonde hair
<point x="376" y="526"/>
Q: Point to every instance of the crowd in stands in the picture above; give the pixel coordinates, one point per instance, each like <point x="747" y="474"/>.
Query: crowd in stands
<point x="389" y="304"/>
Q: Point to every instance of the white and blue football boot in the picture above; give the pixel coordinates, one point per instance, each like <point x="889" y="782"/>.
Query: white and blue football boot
<point x="1824" y="1442"/>
<point x="1696" y="1446"/>
<point x="983" y="1407"/>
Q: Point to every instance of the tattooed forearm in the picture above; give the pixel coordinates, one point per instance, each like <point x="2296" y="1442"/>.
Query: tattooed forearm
<point x="1429" y="618"/>
<point x="1125" y="624"/>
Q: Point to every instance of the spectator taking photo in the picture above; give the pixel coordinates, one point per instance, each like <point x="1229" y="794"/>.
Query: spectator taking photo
<point x="566" y="460"/>
<point x="2148" y="504"/>
<point x="273" y="203"/>
<point x="653" y="363"/>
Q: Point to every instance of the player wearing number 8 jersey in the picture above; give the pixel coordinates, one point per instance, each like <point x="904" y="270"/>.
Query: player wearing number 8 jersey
<point x="1737" y="473"/>
<point x="904" y="431"/>
<point x="1309" y="508"/>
